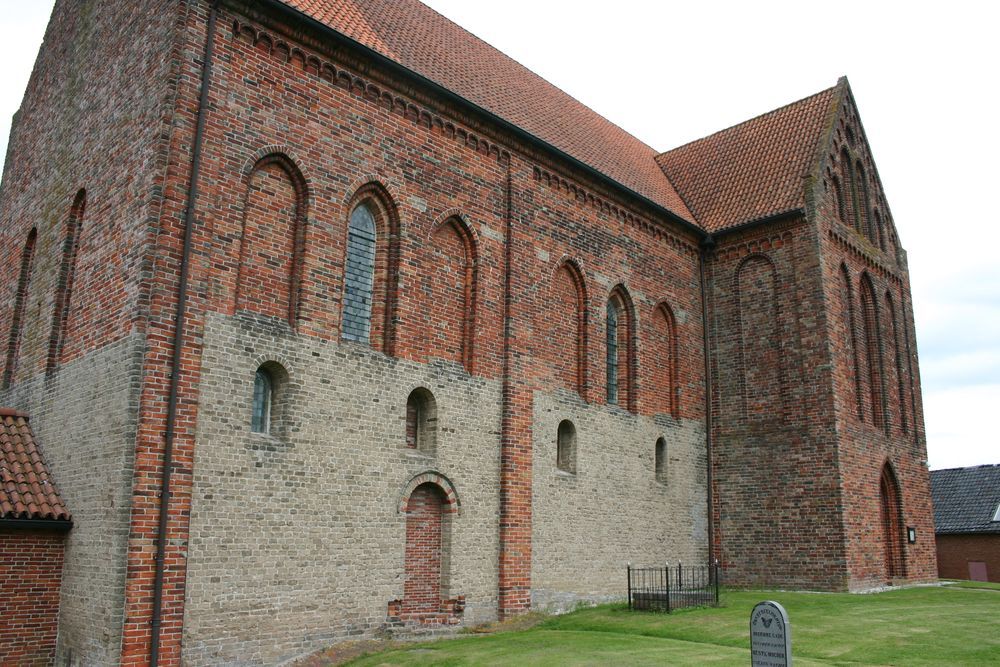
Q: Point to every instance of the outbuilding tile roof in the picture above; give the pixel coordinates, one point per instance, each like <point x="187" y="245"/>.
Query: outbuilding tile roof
<point x="966" y="499"/>
<point x="415" y="36"/>
<point x="753" y="170"/>
<point x="26" y="488"/>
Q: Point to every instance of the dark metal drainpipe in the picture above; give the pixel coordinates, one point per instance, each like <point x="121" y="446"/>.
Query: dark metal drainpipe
<point x="707" y="246"/>
<point x="175" y="374"/>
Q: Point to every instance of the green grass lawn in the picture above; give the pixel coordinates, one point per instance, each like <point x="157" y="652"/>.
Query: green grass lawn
<point x="914" y="626"/>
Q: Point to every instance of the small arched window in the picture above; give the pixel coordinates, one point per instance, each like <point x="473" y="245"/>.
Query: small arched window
<point x="660" y="460"/>
<point x="263" y="398"/>
<point x="614" y="317"/>
<point x="421" y="421"/>
<point x="566" y="447"/>
<point x="359" y="275"/>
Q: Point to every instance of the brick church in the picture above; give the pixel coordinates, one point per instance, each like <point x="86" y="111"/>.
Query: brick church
<point x="322" y="317"/>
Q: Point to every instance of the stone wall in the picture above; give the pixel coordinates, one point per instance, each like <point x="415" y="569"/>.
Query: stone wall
<point x="297" y="539"/>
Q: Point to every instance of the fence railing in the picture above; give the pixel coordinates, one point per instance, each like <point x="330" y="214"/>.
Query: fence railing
<point x="673" y="587"/>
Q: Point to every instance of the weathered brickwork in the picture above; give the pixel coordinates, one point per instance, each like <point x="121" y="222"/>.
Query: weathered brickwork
<point x="475" y="279"/>
<point x="30" y="569"/>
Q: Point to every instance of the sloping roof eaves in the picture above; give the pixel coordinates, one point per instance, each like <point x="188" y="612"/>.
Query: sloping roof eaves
<point x="965" y="499"/>
<point x="426" y="43"/>
<point x="754" y="170"/>
<point x="27" y="492"/>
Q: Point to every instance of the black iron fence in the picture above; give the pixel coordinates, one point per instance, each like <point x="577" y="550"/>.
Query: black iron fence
<point x="667" y="588"/>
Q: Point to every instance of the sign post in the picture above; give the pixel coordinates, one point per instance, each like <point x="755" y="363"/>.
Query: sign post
<point x="770" y="636"/>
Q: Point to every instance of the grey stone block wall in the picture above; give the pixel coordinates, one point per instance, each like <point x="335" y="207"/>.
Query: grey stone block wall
<point x="84" y="418"/>
<point x="587" y="526"/>
<point x="296" y="540"/>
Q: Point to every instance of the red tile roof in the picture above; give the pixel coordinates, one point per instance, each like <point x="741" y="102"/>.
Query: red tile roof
<point x="415" y="36"/>
<point x="755" y="169"/>
<point x="26" y="488"/>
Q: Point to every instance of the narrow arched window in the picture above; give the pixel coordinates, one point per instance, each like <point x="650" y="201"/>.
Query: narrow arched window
<point x="263" y="397"/>
<point x="359" y="275"/>
<point x="614" y="317"/>
<point x="660" y="460"/>
<point x="421" y="421"/>
<point x="64" y="288"/>
<point x="566" y="447"/>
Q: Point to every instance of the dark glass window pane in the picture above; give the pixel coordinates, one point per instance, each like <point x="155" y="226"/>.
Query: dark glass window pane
<point x="359" y="275"/>
<point x="612" y="340"/>
<point x="260" y="421"/>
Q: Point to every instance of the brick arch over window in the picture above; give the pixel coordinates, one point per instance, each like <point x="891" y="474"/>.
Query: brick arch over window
<point x="567" y="340"/>
<point x="447" y="293"/>
<point x="891" y="513"/>
<point x="371" y="269"/>
<point x="20" y="303"/>
<point x="661" y="364"/>
<point x="620" y="349"/>
<point x="761" y="376"/>
<point x="273" y="239"/>
<point x="452" y="503"/>
<point x="873" y="376"/>
<point x="850" y="331"/>
<point x="67" y="273"/>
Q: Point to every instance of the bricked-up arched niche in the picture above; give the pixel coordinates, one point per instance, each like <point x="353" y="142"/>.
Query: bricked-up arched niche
<point x="371" y="268"/>
<point x="851" y="191"/>
<point x="447" y="293"/>
<point x="760" y="339"/>
<point x="849" y="324"/>
<point x="273" y="239"/>
<point x="869" y="224"/>
<point x="891" y="510"/>
<point x="421" y="421"/>
<point x="67" y="273"/>
<point x="660" y="460"/>
<point x="620" y="349"/>
<point x="20" y="302"/>
<point x="566" y="344"/>
<point x="661" y="365"/>
<point x="895" y="352"/>
<point x="873" y="377"/>
<point x="566" y="447"/>
<point x="429" y="503"/>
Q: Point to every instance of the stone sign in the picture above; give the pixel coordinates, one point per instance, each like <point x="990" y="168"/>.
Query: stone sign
<point x="770" y="636"/>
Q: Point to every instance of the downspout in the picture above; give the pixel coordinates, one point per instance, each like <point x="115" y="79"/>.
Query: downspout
<point x="507" y="389"/>
<point x="178" y="343"/>
<point x="707" y="246"/>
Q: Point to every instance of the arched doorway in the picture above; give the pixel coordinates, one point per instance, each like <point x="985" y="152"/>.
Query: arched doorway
<point x="892" y="532"/>
<point x="426" y="551"/>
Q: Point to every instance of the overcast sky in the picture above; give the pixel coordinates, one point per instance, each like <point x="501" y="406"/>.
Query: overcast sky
<point x="925" y="77"/>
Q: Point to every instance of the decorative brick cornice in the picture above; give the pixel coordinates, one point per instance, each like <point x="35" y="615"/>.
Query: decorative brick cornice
<point x="339" y="76"/>
<point x="758" y="245"/>
<point x="874" y="264"/>
<point x="580" y="194"/>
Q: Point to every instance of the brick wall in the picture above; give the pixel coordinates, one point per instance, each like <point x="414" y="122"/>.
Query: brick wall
<point x="955" y="551"/>
<point x="31" y="565"/>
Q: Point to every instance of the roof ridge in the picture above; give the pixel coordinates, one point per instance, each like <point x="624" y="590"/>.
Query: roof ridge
<point x="972" y="467"/>
<point x="750" y="120"/>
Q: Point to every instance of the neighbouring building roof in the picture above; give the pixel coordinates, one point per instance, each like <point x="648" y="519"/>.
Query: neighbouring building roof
<point x="753" y="170"/>
<point x="26" y="488"/>
<point x="423" y="41"/>
<point x="966" y="499"/>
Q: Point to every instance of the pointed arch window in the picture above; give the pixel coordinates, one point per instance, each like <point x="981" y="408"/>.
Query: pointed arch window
<point x="64" y="289"/>
<point x="613" y="320"/>
<point x="619" y="328"/>
<point x="20" y="302"/>
<point x="359" y="275"/>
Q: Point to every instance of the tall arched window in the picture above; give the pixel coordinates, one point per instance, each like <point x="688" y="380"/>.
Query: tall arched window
<point x="661" y="369"/>
<point x="851" y="187"/>
<point x="863" y="205"/>
<point x="263" y="396"/>
<point x="897" y="357"/>
<point x="567" y="318"/>
<point x="20" y="301"/>
<point x="851" y="342"/>
<point x="619" y="356"/>
<point x="359" y="275"/>
<point x="64" y="289"/>
<point x="566" y="447"/>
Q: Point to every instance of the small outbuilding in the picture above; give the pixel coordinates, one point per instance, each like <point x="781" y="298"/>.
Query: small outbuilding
<point x="33" y="525"/>
<point x="967" y="522"/>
